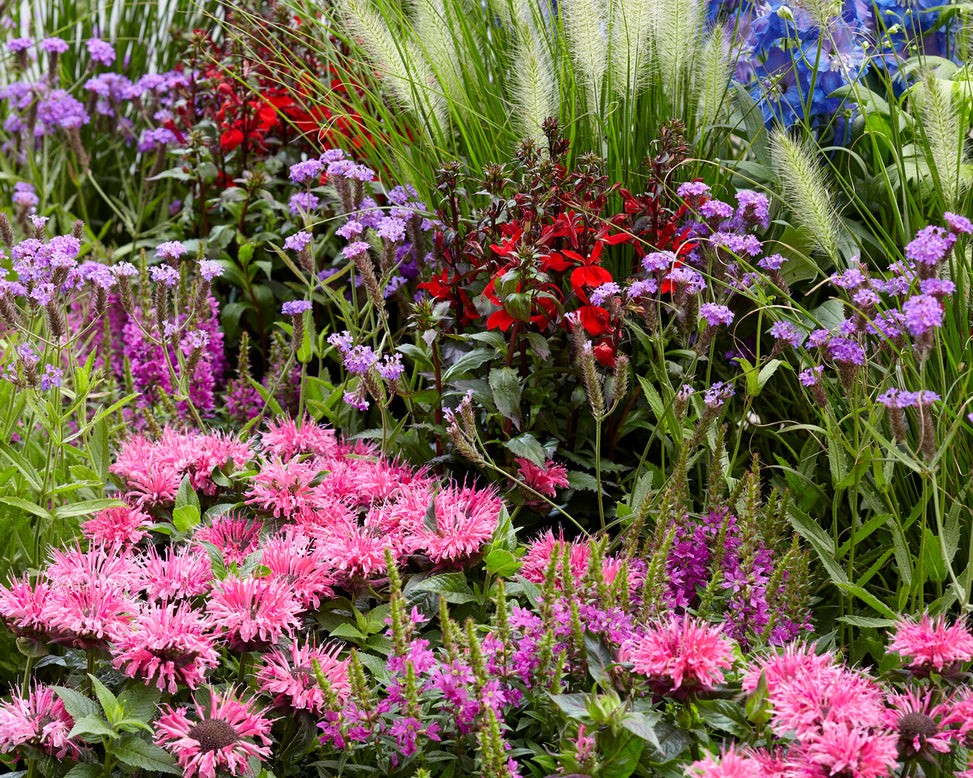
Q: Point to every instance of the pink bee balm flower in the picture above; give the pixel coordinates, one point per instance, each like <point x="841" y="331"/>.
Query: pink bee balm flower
<point x="288" y="675"/>
<point x="923" y="727"/>
<point x="682" y="657"/>
<point x="781" y="668"/>
<point x="931" y="645"/>
<point x="465" y="519"/>
<point x="184" y="572"/>
<point x="224" y="736"/>
<point x="22" y="607"/>
<point x="545" y="479"/>
<point x="37" y="722"/>
<point x="73" y="567"/>
<point x="296" y="561"/>
<point x="236" y="538"/>
<point x="254" y="613"/>
<point x="286" y="490"/>
<point x="114" y="527"/>
<point x="730" y="765"/>
<point x="170" y="643"/>
<point x="90" y="616"/>
<point x="358" y="553"/>
<point x="844" y="749"/>
<point x="285" y="439"/>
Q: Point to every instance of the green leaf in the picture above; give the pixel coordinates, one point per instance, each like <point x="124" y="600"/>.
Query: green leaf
<point x="25" y="505"/>
<point x="76" y="703"/>
<point x="726" y="716"/>
<point x="85" y="508"/>
<point x="526" y="446"/>
<point x="868" y="598"/>
<point x="468" y="363"/>
<point x="582" y="481"/>
<point x="672" y="742"/>
<point x="431" y="521"/>
<point x="83" y="770"/>
<point x="574" y="706"/>
<point x="94" y="726"/>
<point x="186" y="514"/>
<point x="643" y="725"/>
<point x="109" y="702"/>
<point x="599" y="658"/>
<point x="135" y="752"/>
<point x="505" y="384"/>
<point x="823" y="545"/>
<point x="620" y="754"/>
<point x="765" y="374"/>
<point x="348" y="631"/>
<point x="501" y="562"/>
<point x="453" y="587"/>
<point x="140" y="701"/>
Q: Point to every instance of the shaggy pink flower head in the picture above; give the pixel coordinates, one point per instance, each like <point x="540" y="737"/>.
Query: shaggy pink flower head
<point x="185" y="571"/>
<point x="681" y="657"/>
<point x="729" y="765"/>
<point x="115" y="527"/>
<point x="288" y="676"/>
<point x="545" y="479"/>
<point x="287" y="490"/>
<point x="294" y="559"/>
<point x="170" y="644"/>
<point x="466" y="518"/>
<point x="22" y="607"/>
<point x="809" y="701"/>
<point x="286" y="440"/>
<point x="781" y="668"/>
<point x="254" y="613"/>
<point x="924" y="726"/>
<point x="844" y="749"/>
<point x="223" y="737"/>
<point x="236" y="538"/>
<point x="90" y="616"/>
<point x="931" y="645"/>
<point x="38" y="721"/>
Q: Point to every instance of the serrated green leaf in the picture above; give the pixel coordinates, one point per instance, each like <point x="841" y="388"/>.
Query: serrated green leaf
<point x="505" y="385"/>
<point x="526" y="446"/>
<point x="140" y="701"/>
<point x="82" y="770"/>
<point x="452" y="587"/>
<point x="76" y="703"/>
<point x="109" y="702"/>
<point x="94" y="726"/>
<point x="574" y="706"/>
<point x="501" y="562"/>
<point x="135" y="752"/>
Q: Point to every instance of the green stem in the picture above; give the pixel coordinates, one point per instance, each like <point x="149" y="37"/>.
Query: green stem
<point x="601" y="498"/>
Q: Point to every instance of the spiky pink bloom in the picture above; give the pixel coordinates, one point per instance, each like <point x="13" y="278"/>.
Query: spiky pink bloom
<point x="236" y="538"/>
<point x="359" y="476"/>
<point x="286" y="490"/>
<point x="358" y="553"/>
<point x="22" y="607"/>
<point x="184" y="572"/>
<point x="114" y="527"/>
<point x="845" y="749"/>
<point x="156" y="487"/>
<point x="253" y="612"/>
<point x="545" y="480"/>
<point x="288" y="676"/>
<point x="682" y="656"/>
<point x="222" y="737"/>
<point x="730" y="764"/>
<point x="782" y="667"/>
<point x="809" y="701"/>
<point x="930" y="644"/>
<point x="466" y="518"/>
<point x="72" y="567"/>
<point x="89" y="616"/>
<point x="923" y="725"/>
<point x="38" y="721"/>
<point x="285" y="440"/>
<point x="168" y="643"/>
<point x="294" y="559"/>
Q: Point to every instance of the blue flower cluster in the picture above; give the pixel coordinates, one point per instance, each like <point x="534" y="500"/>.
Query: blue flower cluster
<point x="793" y="61"/>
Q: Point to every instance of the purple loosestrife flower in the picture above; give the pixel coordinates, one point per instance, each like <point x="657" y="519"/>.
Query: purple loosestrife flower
<point x="894" y="401"/>
<point x="298" y="241"/>
<point x="302" y="202"/>
<point x="392" y="230"/>
<point x="350" y="229"/>
<point x="923" y="313"/>
<point x="604" y="292"/>
<point x="718" y="394"/>
<point x="101" y="52"/>
<point x="295" y="307"/>
<point x="930" y="246"/>
<point x="786" y="332"/>
<point x="171" y="249"/>
<point x="716" y="314"/>
<point x="210" y="269"/>
<point x="693" y="189"/>
<point x="307" y="172"/>
<point x="165" y="275"/>
<point x="54" y="45"/>
<point x="958" y="223"/>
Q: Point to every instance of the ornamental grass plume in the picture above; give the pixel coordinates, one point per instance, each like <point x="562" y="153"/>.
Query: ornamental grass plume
<point x="536" y="89"/>
<point x="805" y="191"/>
<point x="224" y="735"/>
<point x="944" y="135"/>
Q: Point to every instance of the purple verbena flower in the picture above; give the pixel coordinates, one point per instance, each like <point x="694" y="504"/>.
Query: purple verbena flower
<point x="171" y="249"/>
<point x="307" y="171"/>
<point x="717" y="394"/>
<point x="787" y="332"/>
<point x="54" y="45"/>
<point x="846" y="351"/>
<point x="210" y="269"/>
<point x="923" y="313"/>
<point x="603" y="292"/>
<point x="100" y="51"/>
<point x="716" y="314"/>
<point x="930" y="246"/>
<point x="958" y="223"/>
<point x="693" y="189"/>
<point x="165" y="275"/>
<point x="390" y="229"/>
<point x="302" y="202"/>
<point x="298" y="241"/>
<point x="295" y="307"/>
<point x="810" y="376"/>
